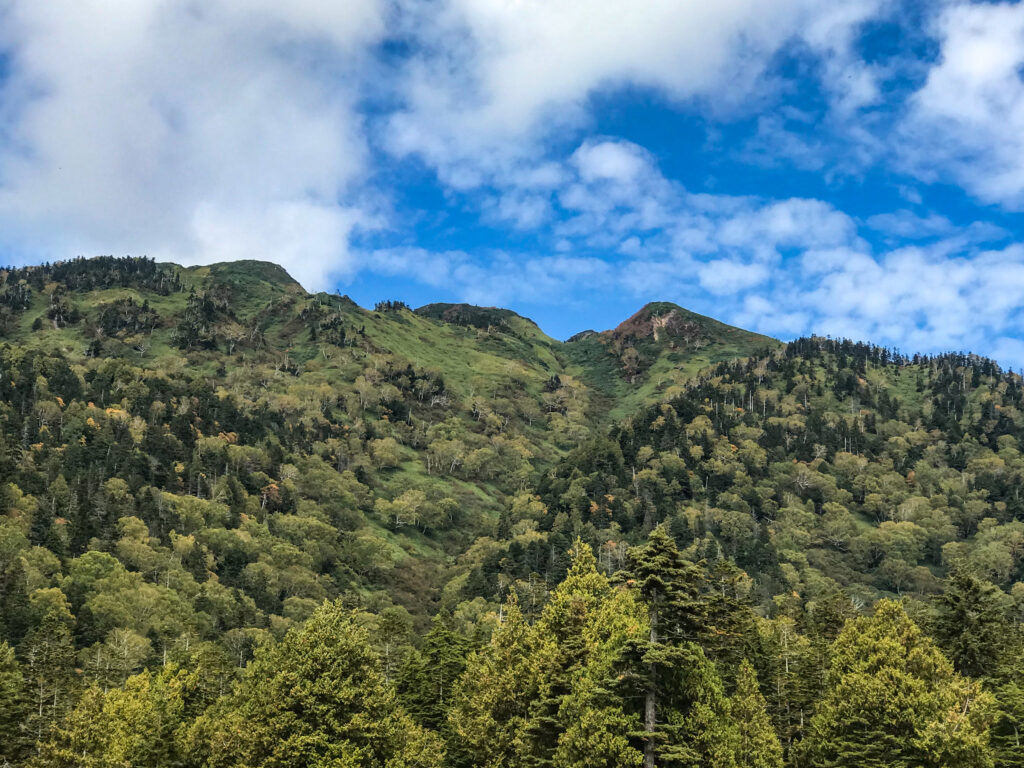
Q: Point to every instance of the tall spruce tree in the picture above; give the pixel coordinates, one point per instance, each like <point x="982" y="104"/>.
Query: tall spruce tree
<point x="578" y="720"/>
<point x="492" y="699"/>
<point x="1007" y="735"/>
<point x="428" y="677"/>
<point x="792" y="665"/>
<point x="757" y="744"/>
<point x="136" y="725"/>
<point x="973" y="623"/>
<point x="659" y="574"/>
<point x="542" y="695"/>
<point x="48" y="655"/>
<point x="728" y="629"/>
<point x="684" y="708"/>
<point x="13" y="707"/>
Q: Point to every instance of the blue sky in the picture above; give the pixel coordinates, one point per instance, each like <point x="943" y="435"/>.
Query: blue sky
<point x="853" y="168"/>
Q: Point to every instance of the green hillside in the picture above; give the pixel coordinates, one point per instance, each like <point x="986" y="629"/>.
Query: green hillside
<point x="651" y="355"/>
<point x="242" y="524"/>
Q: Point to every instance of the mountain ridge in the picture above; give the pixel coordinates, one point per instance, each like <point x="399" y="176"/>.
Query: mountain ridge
<point x="461" y="313"/>
<point x="253" y="303"/>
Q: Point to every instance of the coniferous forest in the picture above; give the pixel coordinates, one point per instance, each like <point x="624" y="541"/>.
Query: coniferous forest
<point x="244" y="525"/>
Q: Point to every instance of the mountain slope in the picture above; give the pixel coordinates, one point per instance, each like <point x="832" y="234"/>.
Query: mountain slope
<point x="430" y="442"/>
<point x="650" y="355"/>
<point x="439" y="415"/>
<point x="193" y="460"/>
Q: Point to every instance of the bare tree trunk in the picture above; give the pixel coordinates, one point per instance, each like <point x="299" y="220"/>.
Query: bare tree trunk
<point x="651" y="700"/>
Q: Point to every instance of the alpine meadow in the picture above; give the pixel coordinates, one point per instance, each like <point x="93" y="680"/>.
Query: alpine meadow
<point x="243" y="525"/>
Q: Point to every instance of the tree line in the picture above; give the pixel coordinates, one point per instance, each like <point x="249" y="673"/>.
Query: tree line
<point x="652" y="666"/>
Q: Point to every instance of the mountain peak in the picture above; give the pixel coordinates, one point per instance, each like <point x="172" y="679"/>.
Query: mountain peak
<point x="662" y="320"/>
<point x="250" y="272"/>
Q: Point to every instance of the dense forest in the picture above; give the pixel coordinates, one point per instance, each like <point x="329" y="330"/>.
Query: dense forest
<point x="244" y="525"/>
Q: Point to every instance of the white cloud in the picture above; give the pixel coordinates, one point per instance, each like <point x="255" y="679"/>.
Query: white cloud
<point x="907" y="224"/>
<point x="904" y="225"/>
<point x="190" y="131"/>
<point x="919" y="298"/>
<point x="509" y="74"/>
<point x="787" y="224"/>
<point x="966" y="123"/>
<point x="614" y="161"/>
<point x="306" y="237"/>
<point x="728" y="276"/>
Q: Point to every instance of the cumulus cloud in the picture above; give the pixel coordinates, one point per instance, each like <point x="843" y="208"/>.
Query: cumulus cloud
<point x="904" y="225"/>
<point x="966" y="123"/>
<point x="192" y="132"/>
<point x="508" y="75"/>
<point x="907" y="224"/>
<point x="920" y="298"/>
<point x="619" y="162"/>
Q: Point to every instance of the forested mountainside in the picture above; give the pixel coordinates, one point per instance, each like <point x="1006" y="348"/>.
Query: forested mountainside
<point x="244" y="525"/>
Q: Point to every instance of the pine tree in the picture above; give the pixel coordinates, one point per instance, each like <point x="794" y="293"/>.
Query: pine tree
<point x="578" y="720"/>
<point x="757" y="744"/>
<point x="543" y="695"/>
<point x="488" y="718"/>
<point x="684" y="705"/>
<point x="136" y="725"/>
<point x="894" y="701"/>
<point x="1007" y="735"/>
<point x="728" y="628"/>
<point x="656" y="571"/>
<point x="48" y="655"/>
<point x="12" y="706"/>
<point x="427" y="681"/>
<point x="15" y="614"/>
<point x="973" y="623"/>
<point x="318" y="698"/>
<point x="793" y="668"/>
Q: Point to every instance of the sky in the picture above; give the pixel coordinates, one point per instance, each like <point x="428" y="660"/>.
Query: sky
<point x="844" y="167"/>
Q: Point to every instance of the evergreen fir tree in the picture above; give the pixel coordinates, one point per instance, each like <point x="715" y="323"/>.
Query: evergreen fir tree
<point x="13" y="706"/>
<point x="48" y="655"/>
<point x="894" y="701"/>
<point x="1007" y="735"/>
<point x="577" y="719"/>
<point x="543" y="695"/>
<point x="792" y="666"/>
<point x="488" y="718"/>
<point x="973" y="623"/>
<point x="757" y="744"/>
<point x="428" y="678"/>
<point x="318" y="698"/>
<point x="684" y="718"/>
<point x="728" y="629"/>
<point x="136" y="725"/>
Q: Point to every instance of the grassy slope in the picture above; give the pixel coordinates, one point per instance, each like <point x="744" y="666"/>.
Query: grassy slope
<point x="593" y="359"/>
